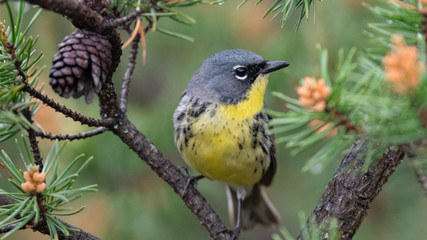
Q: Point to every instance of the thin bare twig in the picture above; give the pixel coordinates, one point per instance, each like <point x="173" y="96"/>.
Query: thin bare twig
<point x="8" y="228"/>
<point x="421" y="178"/>
<point x="123" y="20"/>
<point x="92" y="122"/>
<point x="34" y="144"/>
<point x="412" y="157"/>
<point x="72" y="137"/>
<point x="128" y="74"/>
<point x="131" y="66"/>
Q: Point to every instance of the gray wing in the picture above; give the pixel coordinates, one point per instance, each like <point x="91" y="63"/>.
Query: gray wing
<point x="271" y="171"/>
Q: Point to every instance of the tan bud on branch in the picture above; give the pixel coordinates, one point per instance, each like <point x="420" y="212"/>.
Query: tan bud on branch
<point x="34" y="181"/>
<point x="314" y="93"/>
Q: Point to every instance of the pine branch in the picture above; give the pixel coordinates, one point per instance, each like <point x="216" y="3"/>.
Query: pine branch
<point x="42" y="226"/>
<point x="72" y="137"/>
<point x="350" y="192"/>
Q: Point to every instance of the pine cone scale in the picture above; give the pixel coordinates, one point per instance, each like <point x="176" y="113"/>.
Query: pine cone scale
<point x="79" y="47"/>
<point x="66" y="71"/>
<point x="77" y="72"/>
<point x="83" y="63"/>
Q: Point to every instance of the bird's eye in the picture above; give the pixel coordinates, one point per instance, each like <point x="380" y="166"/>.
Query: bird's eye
<point x="241" y="72"/>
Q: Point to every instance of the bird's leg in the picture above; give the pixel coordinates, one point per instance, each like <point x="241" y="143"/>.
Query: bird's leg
<point x="193" y="180"/>
<point x="190" y="180"/>
<point x="241" y="194"/>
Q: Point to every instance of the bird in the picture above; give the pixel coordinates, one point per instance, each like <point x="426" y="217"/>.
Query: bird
<point x="222" y="132"/>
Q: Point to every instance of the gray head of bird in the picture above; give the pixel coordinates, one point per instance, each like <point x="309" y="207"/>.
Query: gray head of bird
<point x="228" y="75"/>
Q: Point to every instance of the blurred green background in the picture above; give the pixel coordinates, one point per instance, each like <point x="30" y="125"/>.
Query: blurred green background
<point x="133" y="203"/>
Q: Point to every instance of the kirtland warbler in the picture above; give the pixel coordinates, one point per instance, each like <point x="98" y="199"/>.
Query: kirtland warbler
<point x="221" y="131"/>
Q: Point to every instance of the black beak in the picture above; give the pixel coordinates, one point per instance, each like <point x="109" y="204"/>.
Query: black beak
<point x="272" y="66"/>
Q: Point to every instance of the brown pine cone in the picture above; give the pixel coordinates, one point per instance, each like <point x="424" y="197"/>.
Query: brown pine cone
<point x="81" y="65"/>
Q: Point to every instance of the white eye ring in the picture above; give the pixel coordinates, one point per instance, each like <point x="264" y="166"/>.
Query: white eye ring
<point x="237" y="76"/>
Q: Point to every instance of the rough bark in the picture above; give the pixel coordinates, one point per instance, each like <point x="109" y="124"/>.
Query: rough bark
<point x="351" y="190"/>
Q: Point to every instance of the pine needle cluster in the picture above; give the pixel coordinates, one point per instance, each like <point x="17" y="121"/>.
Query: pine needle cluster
<point x="378" y="96"/>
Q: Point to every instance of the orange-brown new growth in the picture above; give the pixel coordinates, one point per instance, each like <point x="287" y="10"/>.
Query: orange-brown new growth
<point x="401" y="66"/>
<point x="140" y="29"/>
<point x="34" y="181"/>
<point x="317" y="122"/>
<point x="314" y="93"/>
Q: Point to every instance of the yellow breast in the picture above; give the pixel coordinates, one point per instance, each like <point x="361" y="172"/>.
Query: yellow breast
<point x="222" y="146"/>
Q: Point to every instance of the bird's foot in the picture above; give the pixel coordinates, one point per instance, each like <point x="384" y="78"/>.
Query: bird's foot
<point x="234" y="234"/>
<point x="190" y="180"/>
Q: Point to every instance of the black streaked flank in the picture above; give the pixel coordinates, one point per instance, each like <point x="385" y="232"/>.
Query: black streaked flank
<point x="178" y="133"/>
<point x="186" y="141"/>
<point x="254" y="129"/>
<point x="254" y="143"/>
<point x="264" y="149"/>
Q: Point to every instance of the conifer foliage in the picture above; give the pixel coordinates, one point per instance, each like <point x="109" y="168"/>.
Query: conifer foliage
<point x="369" y="110"/>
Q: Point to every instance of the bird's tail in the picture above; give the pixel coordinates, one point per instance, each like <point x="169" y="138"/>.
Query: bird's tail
<point x="256" y="208"/>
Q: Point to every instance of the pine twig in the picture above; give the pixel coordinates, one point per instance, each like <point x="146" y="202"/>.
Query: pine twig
<point x="422" y="179"/>
<point x="123" y="20"/>
<point x="131" y="66"/>
<point x="38" y="160"/>
<point x="128" y="74"/>
<point x="350" y="192"/>
<point x="8" y="228"/>
<point x="34" y="144"/>
<point x="72" y="137"/>
<point x="92" y="122"/>
<point x="419" y="172"/>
